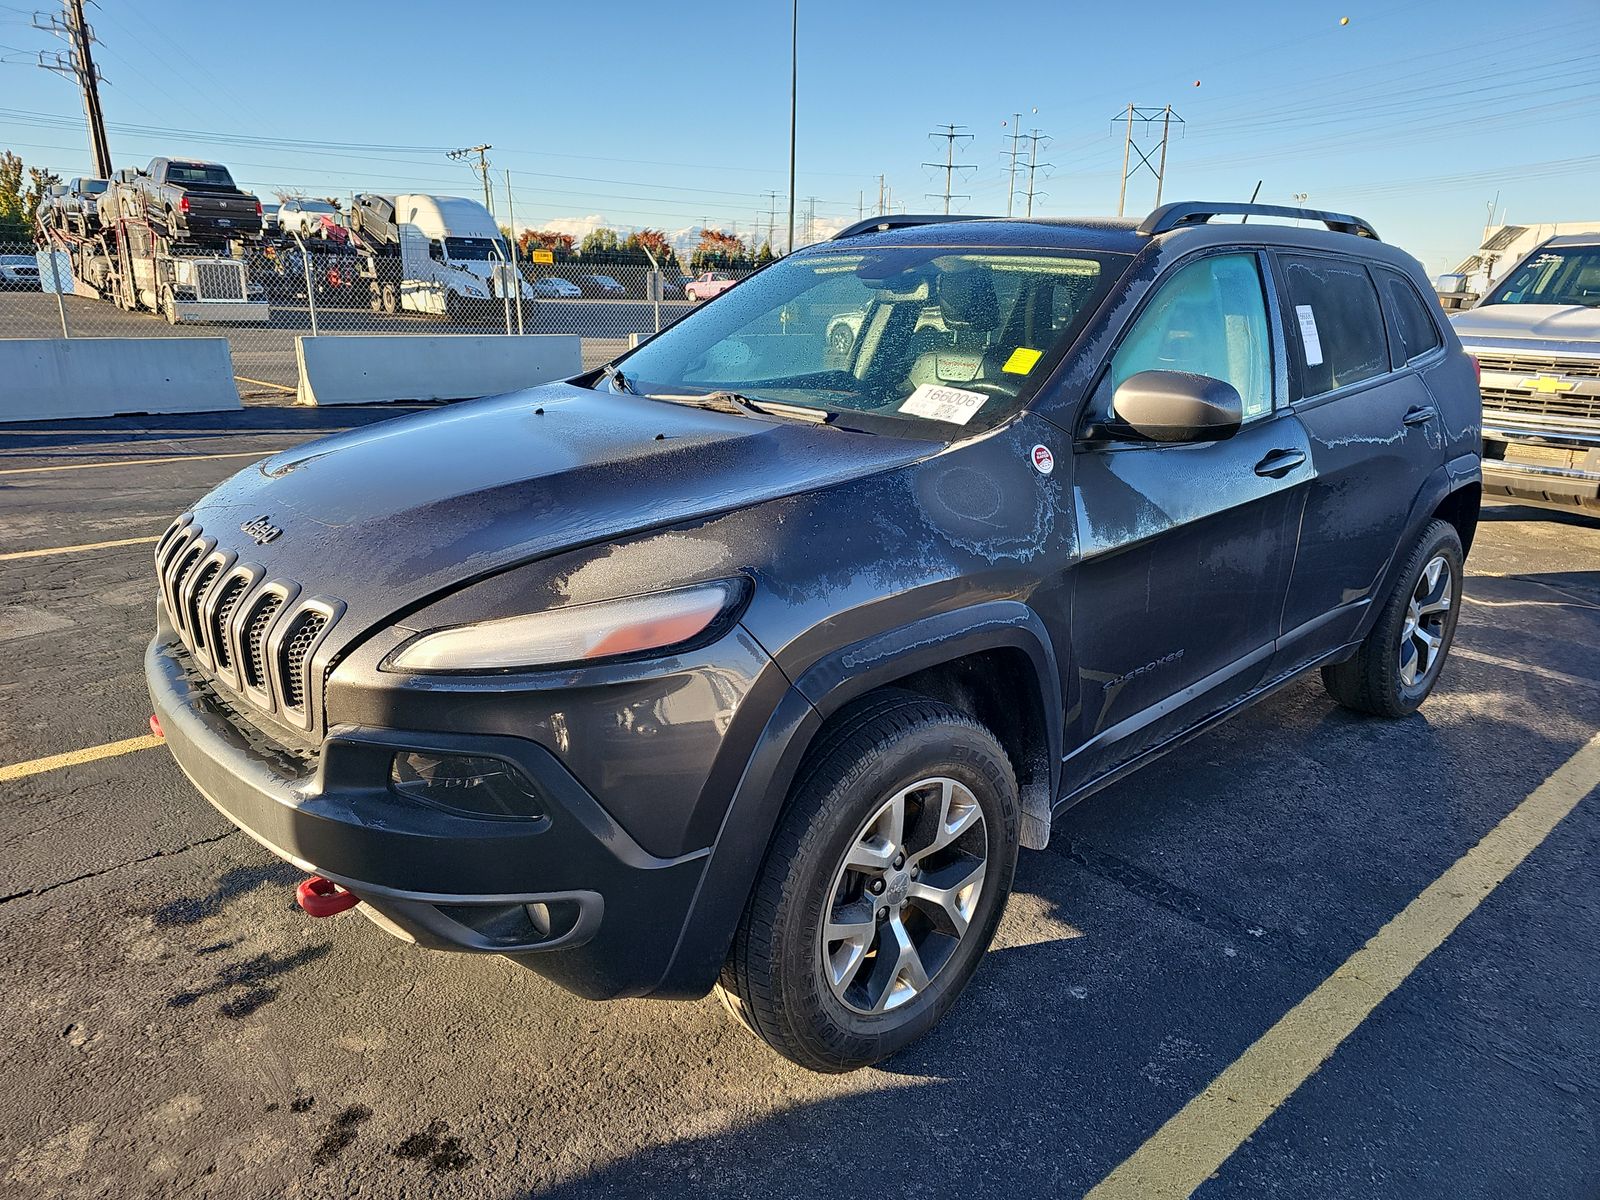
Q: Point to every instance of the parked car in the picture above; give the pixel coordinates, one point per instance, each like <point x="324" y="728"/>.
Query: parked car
<point x="73" y="205"/>
<point x="310" y="218"/>
<point x="708" y="284"/>
<point x="720" y="666"/>
<point x="553" y="287"/>
<point x="600" y="285"/>
<point x="269" y="218"/>
<point x="19" y="273"/>
<point x="1536" y="338"/>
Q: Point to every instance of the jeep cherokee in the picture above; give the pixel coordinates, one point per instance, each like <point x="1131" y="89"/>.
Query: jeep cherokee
<point x="751" y="659"/>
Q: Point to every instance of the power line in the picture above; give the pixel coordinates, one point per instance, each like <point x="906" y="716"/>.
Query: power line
<point x="482" y="167"/>
<point x="951" y="137"/>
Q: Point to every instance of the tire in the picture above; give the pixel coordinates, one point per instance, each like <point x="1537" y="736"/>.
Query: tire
<point x="169" y="306"/>
<point x="840" y="341"/>
<point x="836" y="1005"/>
<point x="390" y="300"/>
<point x="1388" y="676"/>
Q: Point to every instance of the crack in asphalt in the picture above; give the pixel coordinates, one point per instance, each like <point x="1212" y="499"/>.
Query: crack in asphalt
<point x="132" y="862"/>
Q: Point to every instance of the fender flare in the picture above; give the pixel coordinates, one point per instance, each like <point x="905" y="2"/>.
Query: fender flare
<point x="821" y="690"/>
<point x="1442" y="482"/>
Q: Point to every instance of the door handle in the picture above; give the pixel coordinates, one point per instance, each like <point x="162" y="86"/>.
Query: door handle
<point x="1420" y="415"/>
<point x="1280" y="462"/>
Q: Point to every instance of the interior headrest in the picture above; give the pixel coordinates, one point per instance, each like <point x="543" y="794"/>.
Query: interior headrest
<point x="967" y="300"/>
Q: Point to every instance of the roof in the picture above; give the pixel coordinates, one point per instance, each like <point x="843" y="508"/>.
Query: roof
<point x="1088" y="233"/>
<point x="1574" y="239"/>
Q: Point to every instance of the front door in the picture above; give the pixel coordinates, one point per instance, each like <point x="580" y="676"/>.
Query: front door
<point x="1185" y="548"/>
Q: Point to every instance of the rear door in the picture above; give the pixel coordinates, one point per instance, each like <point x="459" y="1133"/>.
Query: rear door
<point x="1375" y="437"/>
<point x="1185" y="548"/>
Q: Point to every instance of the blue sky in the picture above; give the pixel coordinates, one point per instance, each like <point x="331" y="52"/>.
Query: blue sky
<point x="1414" y="115"/>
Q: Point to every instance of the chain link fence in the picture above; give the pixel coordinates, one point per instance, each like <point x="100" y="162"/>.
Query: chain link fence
<point x="263" y="295"/>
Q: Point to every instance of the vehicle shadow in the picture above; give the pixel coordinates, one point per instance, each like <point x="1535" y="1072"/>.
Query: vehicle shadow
<point x="1510" y="510"/>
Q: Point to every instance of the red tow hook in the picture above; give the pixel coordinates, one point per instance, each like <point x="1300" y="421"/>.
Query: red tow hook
<point x="323" y="897"/>
<point x="155" y="726"/>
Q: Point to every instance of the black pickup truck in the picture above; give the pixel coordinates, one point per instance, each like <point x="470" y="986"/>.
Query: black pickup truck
<point x="196" y="201"/>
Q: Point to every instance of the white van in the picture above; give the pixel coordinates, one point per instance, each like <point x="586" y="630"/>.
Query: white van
<point x="452" y="257"/>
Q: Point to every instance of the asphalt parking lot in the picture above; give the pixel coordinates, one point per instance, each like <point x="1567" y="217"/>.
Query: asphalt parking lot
<point x="176" y="1026"/>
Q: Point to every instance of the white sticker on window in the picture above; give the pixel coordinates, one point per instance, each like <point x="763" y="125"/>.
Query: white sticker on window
<point x="1308" y="335"/>
<point x="955" y="405"/>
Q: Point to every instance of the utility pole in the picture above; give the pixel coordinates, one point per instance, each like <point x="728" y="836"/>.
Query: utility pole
<point x="881" y="196"/>
<point x="951" y="137"/>
<point x="794" y="86"/>
<point x="1011" y="181"/>
<point x="772" y="216"/>
<point x="78" y="62"/>
<point x="1147" y="117"/>
<point x="482" y="167"/>
<point x="1034" y="164"/>
<point x="811" y="220"/>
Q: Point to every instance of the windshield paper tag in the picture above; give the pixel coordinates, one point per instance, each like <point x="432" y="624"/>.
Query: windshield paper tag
<point x="955" y="405"/>
<point x="1308" y="335"/>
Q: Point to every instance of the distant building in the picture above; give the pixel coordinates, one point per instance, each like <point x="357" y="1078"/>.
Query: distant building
<point x="1503" y="246"/>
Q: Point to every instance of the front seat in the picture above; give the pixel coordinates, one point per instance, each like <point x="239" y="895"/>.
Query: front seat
<point x="970" y="312"/>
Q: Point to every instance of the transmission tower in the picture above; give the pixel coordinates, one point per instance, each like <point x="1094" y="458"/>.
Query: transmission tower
<point x="78" y="62"/>
<point x="1011" y="177"/>
<point x="950" y="165"/>
<point x="811" y="220"/>
<point x="1147" y="119"/>
<point x="481" y="166"/>
<point x="1033" y="139"/>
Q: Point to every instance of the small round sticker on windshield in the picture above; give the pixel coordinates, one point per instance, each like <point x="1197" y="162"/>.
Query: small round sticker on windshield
<point x="1043" y="461"/>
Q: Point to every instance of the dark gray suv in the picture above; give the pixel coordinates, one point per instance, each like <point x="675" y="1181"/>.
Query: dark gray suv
<point x="751" y="659"/>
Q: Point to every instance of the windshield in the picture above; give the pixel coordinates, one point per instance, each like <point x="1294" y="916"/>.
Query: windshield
<point x="1554" y="277"/>
<point x="200" y="173"/>
<point x="954" y="336"/>
<point x="93" y="187"/>
<point x="474" y="249"/>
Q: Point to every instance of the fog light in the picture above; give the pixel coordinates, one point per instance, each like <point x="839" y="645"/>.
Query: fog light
<point x="466" y="784"/>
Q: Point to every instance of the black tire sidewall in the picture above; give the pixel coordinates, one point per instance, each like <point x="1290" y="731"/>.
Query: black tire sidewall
<point x="959" y="751"/>
<point x="1438" y="539"/>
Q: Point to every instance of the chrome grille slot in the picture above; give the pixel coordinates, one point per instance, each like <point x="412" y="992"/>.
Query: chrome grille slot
<point x="253" y="642"/>
<point x="227" y="602"/>
<point x="1539" y="365"/>
<point x="294" y="658"/>
<point x="1554" y="407"/>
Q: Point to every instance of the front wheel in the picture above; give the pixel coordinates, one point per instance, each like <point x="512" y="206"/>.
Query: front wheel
<point x="1398" y="664"/>
<point x="883" y="886"/>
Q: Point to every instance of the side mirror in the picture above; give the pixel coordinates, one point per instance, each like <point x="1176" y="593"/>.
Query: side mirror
<point x="1175" y="406"/>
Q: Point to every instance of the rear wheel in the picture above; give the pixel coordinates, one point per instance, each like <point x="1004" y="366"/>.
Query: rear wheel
<point x="1398" y="664"/>
<point x="882" y="888"/>
<point x="390" y="300"/>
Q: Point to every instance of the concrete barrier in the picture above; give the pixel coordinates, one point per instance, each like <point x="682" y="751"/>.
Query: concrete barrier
<point x="373" y="368"/>
<point x="42" y="379"/>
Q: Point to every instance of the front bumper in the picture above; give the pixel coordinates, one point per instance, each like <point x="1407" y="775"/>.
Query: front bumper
<point x="571" y="895"/>
<point x="1546" y="467"/>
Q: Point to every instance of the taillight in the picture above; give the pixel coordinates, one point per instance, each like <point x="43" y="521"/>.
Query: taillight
<point x="183" y="204"/>
<point x="1477" y="367"/>
<point x="258" y="208"/>
<point x="333" y="276"/>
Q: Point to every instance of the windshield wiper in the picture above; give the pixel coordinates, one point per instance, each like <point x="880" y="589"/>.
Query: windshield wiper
<point x="726" y="401"/>
<point x="617" y="378"/>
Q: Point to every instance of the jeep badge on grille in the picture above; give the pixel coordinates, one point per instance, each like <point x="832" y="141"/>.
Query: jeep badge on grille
<point x="261" y="530"/>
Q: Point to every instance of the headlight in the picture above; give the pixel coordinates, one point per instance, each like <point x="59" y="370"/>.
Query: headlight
<point x="582" y="633"/>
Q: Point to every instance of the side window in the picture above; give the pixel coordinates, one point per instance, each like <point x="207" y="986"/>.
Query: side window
<point x="436" y="250"/>
<point x="1335" y="321"/>
<point x="1411" y="330"/>
<point x="1209" y="318"/>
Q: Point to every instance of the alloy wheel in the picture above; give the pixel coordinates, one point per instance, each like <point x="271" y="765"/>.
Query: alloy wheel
<point x="1422" y="635"/>
<point x="903" y="898"/>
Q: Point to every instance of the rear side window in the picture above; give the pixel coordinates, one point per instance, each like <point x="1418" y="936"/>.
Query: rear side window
<point x="1411" y="330"/>
<point x="1335" y="323"/>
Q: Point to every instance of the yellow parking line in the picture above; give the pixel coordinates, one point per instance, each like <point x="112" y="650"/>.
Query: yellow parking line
<point x="263" y="383"/>
<point x="133" y="541"/>
<point x="72" y="758"/>
<point x="139" y="462"/>
<point x="1190" y="1147"/>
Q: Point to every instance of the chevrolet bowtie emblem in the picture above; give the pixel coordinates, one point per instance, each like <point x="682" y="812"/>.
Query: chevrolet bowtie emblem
<point x="261" y="530"/>
<point x="1548" y="384"/>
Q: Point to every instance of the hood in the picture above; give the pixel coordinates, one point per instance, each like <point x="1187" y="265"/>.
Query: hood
<point x="385" y="517"/>
<point x="1571" y="327"/>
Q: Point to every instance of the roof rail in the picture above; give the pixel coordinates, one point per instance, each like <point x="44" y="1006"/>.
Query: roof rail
<point x="1198" y="212"/>
<point x="886" y="221"/>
